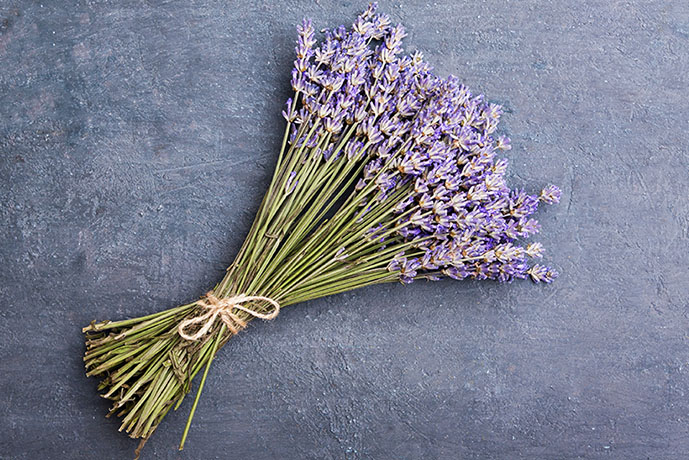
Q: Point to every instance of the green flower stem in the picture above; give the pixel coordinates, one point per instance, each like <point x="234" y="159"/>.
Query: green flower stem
<point x="382" y="276"/>
<point x="107" y="325"/>
<point x="216" y="342"/>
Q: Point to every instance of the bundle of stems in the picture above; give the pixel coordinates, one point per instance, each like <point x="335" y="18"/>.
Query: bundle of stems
<point x="386" y="172"/>
<point x="148" y="366"/>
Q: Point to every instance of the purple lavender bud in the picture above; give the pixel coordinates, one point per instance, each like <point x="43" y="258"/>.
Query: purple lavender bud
<point x="472" y="169"/>
<point x="438" y="152"/>
<point x="477" y="193"/>
<point x="305" y="40"/>
<point x="374" y="234"/>
<point x="507" y="252"/>
<point x="503" y="143"/>
<point x="323" y="111"/>
<point x="540" y="273"/>
<point x="528" y="227"/>
<point x="378" y="106"/>
<point x="397" y="262"/>
<point x="339" y="33"/>
<point x="495" y="183"/>
<point x="373" y="133"/>
<point x="360" y="114"/>
<point x="357" y="77"/>
<point x="425" y="201"/>
<point x="314" y="74"/>
<point x="418" y="219"/>
<point x="293" y="134"/>
<point x="522" y="204"/>
<point x="404" y="204"/>
<point x="420" y="185"/>
<point x="303" y="115"/>
<point x="341" y="255"/>
<point x="289" y="113"/>
<point x="393" y="41"/>
<point x="511" y="230"/>
<point x="321" y="56"/>
<point x="345" y="101"/>
<point x="333" y="125"/>
<point x="370" y="11"/>
<point x="291" y="183"/>
<point x="385" y="181"/>
<point x="456" y="272"/>
<point x="459" y="201"/>
<point x="534" y="250"/>
<point x="500" y="167"/>
<point x="408" y="270"/>
<point x="550" y="194"/>
<point x="381" y="24"/>
<point x="353" y="149"/>
<point x="440" y="193"/>
<point x="489" y="256"/>
<point x="327" y="153"/>
<point x="298" y="83"/>
<point x="301" y="64"/>
<point x="372" y="168"/>
<point x="334" y="83"/>
<point x="427" y="261"/>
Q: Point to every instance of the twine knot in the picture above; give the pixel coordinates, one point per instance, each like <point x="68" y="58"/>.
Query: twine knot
<point x="223" y="308"/>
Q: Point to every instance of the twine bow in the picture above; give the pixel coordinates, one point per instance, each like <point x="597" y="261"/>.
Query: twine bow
<point x="224" y="309"/>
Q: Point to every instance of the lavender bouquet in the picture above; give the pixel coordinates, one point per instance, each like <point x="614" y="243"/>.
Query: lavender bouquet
<point x="387" y="172"/>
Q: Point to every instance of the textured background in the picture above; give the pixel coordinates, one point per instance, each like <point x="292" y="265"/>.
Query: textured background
<point x="136" y="141"/>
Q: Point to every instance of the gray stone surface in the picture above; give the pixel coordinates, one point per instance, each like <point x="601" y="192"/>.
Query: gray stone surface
<point x="136" y="141"/>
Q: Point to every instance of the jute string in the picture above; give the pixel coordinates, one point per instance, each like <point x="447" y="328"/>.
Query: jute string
<point x="224" y="308"/>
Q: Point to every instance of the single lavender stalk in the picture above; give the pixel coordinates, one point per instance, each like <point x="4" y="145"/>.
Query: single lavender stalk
<point x="386" y="173"/>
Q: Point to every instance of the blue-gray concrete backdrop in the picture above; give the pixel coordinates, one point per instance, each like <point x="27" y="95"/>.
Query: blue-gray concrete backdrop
<point x="137" y="139"/>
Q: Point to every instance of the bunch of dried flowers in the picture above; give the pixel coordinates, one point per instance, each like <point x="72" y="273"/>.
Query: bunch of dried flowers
<point x="387" y="172"/>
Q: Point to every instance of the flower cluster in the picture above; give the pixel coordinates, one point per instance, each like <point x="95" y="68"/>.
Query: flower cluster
<point x="428" y="146"/>
<point x="387" y="172"/>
